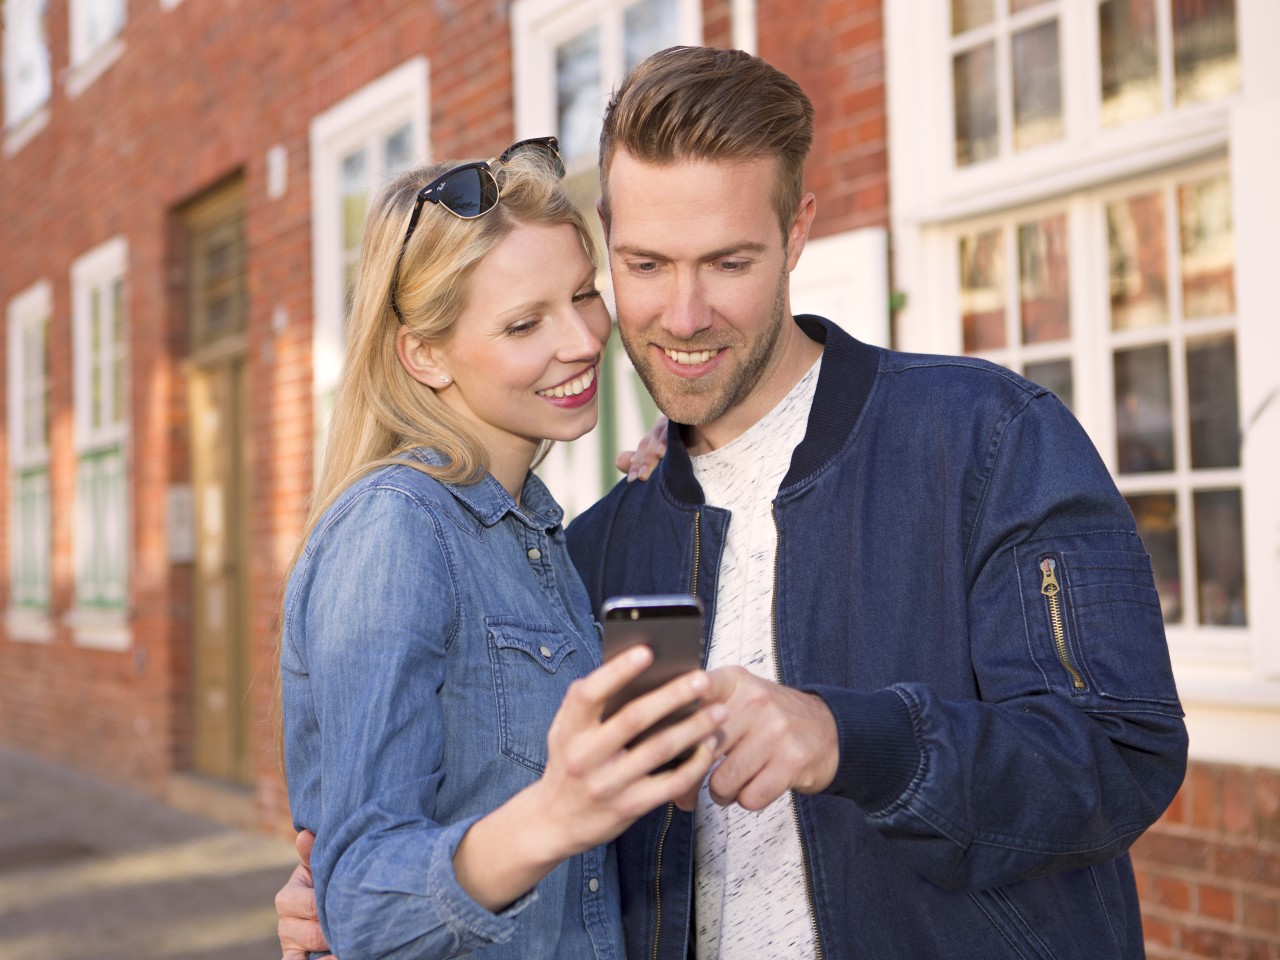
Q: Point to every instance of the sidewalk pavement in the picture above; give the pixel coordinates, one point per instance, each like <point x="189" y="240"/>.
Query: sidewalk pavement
<point x="88" y="869"/>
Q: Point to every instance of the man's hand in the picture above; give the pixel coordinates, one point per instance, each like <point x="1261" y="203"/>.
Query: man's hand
<point x="775" y="739"/>
<point x="637" y="464"/>
<point x="299" y="924"/>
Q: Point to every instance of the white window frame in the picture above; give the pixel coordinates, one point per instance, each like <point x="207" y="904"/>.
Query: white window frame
<point x="99" y="622"/>
<point x="32" y="308"/>
<point x="1087" y="155"/>
<point x="25" y="107"/>
<point x="398" y="96"/>
<point x="933" y="204"/>
<point x="90" y="55"/>
<point x="538" y="28"/>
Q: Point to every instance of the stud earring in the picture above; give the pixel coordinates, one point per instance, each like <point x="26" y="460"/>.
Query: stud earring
<point x="444" y="379"/>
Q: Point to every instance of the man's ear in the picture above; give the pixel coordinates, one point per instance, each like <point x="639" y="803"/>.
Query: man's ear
<point x="424" y="363"/>
<point x="798" y="232"/>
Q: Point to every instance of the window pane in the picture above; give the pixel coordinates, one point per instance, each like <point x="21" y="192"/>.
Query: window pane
<point x="1136" y="242"/>
<point x="1037" y="86"/>
<point x="1144" y="417"/>
<point x="1054" y="375"/>
<point x="1043" y="281"/>
<point x="1220" y="557"/>
<point x="397" y="151"/>
<point x="27" y="75"/>
<point x="1206" y="63"/>
<point x="578" y="108"/>
<point x="967" y="14"/>
<point x="649" y="26"/>
<point x="1208" y="248"/>
<point x="1212" y="407"/>
<point x="1130" y="60"/>
<point x="353" y="183"/>
<point x="1017" y="6"/>
<point x="982" y="290"/>
<point x="1157" y="517"/>
<point x="977" y="123"/>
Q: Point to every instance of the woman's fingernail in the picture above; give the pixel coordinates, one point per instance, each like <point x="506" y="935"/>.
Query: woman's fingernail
<point x="698" y="681"/>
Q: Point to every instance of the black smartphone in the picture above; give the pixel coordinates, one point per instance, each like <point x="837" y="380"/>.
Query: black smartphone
<point x="671" y="625"/>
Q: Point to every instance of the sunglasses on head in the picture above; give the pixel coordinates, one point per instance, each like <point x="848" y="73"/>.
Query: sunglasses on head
<point x="471" y="190"/>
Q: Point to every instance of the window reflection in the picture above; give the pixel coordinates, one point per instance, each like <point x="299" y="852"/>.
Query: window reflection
<point x="397" y="149"/>
<point x="1054" y="375"/>
<point x="967" y="14"/>
<point x="1017" y="6"/>
<point x="1037" y="86"/>
<point x="578" y="95"/>
<point x="1220" y="557"/>
<point x="982" y="290"/>
<point x="1206" y="63"/>
<point x="977" y="123"/>
<point x="1156" y="515"/>
<point x="648" y="27"/>
<point x="1130" y="60"/>
<point x="1137" y="262"/>
<point x="1212" y="408"/>
<point x="1208" y="248"/>
<point x="1043" y="281"/>
<point x="1144" y="409"/>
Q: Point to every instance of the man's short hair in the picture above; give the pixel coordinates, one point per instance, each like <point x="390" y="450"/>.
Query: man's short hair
<point x="700" y="103"/>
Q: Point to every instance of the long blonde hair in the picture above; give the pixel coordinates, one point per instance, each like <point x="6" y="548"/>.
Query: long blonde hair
<point x="380" y="410"/>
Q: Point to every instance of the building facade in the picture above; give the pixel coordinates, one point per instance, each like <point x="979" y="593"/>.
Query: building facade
<point x="1079" y="191"/>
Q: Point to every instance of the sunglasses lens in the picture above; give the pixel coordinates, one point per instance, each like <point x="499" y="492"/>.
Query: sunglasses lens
<point x="545" y="148"/>
<point x="469" y="192"/>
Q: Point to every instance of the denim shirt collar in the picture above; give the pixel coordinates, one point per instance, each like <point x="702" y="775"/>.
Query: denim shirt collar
<point x="488" y="500"/>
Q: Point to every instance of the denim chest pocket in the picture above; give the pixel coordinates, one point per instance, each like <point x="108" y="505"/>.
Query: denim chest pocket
<point x="533" y="665"/>
<point x="1095" y="624"/>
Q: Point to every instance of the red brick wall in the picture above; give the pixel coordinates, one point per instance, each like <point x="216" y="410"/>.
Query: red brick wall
<point x="1209" y="871"/>
<point x="200" y="93"/>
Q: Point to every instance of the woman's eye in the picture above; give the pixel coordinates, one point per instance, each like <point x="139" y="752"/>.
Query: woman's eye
<point x="586" y="295"/>
<point x="521" y="327"/>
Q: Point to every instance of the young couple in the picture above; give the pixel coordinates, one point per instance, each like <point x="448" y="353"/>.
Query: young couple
<point x="938" y="706"/>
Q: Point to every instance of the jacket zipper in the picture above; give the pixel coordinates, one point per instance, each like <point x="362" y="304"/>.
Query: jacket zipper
<point x="805" y="865"/>
<point x="1052" y="591"/>
<point x="671" y="807"/>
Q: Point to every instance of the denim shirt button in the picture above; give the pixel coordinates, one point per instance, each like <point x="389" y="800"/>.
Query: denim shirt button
<point x="544" y="650"/>
<point x="535" y="553"/>
<point x="593" y="884"/>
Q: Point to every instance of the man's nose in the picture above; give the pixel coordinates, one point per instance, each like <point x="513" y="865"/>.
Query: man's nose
<point x="687" y="312"/>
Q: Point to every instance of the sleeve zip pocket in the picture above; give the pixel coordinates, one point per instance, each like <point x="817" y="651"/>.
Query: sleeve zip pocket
<point x="1052" y="592"/>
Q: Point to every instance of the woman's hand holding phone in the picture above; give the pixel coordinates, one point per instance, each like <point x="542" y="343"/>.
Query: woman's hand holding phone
<point x="595" y="785"/>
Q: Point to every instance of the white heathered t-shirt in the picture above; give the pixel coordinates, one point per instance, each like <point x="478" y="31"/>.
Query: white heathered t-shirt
<point x="749" y="885"/>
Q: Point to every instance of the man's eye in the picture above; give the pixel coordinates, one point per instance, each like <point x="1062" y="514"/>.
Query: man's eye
<point x="733" y="266"/>
<point x="644" y="266"/>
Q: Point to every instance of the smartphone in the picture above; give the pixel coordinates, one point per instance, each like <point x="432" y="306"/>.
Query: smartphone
<point x="671" y="625"/>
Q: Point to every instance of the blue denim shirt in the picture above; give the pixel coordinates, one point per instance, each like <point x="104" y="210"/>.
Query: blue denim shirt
<point x="430" y="633"/>
<point x="1001" y="744"/>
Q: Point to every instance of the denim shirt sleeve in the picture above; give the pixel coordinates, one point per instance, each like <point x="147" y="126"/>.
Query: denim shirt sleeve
<point x="1076" y="743"/>
<point x="371" y="616"/>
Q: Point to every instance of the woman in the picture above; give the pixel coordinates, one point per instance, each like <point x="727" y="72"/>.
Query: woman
<point x="441" y="699"/>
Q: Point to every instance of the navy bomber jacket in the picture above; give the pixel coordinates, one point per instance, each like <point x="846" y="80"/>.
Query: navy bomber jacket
<point x="959" y="579"/>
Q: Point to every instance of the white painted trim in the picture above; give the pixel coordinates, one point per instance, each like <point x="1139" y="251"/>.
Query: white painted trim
<point x="81" y="76"/>
<point x="398" y="96"/>
<point x="26" y="130"/>
<point x="1255" y="139"/>
<point x="21" y="25"/>
<point x="845" y="278"/>
<point x="32" y="305"/>
<point x="102" y="265"/>
<point x="99" y="630"/>
<point x="27" y="626"/>
<point x="743" y="14"/>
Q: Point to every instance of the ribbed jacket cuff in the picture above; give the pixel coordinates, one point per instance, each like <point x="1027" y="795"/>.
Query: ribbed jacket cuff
<point x="879" y="755"/>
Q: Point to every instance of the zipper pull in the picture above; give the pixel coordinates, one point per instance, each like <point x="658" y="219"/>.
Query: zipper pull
<point x="1049" y="585"/>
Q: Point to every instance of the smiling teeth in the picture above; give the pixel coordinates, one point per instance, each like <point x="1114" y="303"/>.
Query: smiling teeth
<point x="690" y="359"/>
<point x="573" y="387"/>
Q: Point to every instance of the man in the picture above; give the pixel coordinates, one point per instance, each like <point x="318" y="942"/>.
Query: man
<point x="951" y="709"/>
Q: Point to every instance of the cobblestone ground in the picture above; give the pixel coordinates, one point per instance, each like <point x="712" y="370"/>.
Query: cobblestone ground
<point x="90" y="870"/>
